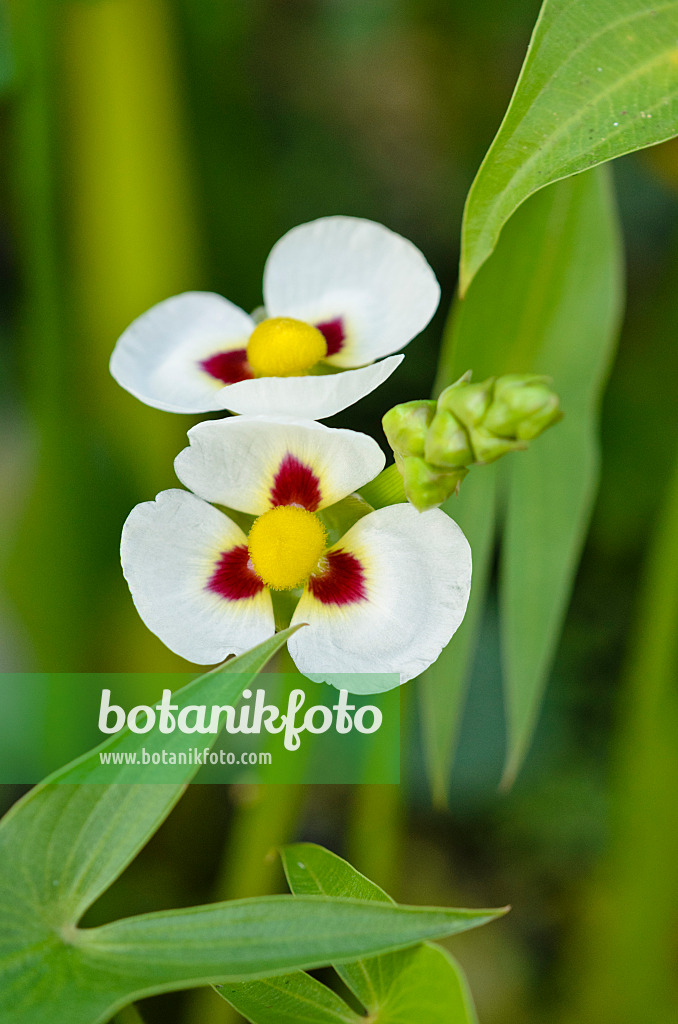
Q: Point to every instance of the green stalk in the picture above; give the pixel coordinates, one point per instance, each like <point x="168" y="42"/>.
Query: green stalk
<point x="374" y="833"/>
<point x="43" y="571"/>
<point x="624" y="970"/>
<point x="132" y="243"/>
<point x="264" y="818"/>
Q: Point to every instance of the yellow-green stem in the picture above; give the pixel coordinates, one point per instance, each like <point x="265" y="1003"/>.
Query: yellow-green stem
<point x="623" y="967"/>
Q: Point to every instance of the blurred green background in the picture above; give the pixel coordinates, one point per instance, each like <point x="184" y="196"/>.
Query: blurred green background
<point x="151" y="147"/>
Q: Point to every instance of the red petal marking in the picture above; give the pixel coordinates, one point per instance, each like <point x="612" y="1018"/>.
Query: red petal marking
<point x="230" y="367"/>
<point x="233" y="578"/>
<point x="295" y="484"/>
<point x="343" y="582"/>
<point x="334" y="334"/>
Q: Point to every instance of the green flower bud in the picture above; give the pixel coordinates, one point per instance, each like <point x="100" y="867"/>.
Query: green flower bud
<point x="468" y="402"/>
<point x="488" y="447"/>
<point x="405" y="426"/>
<point x="447" y="442"/>
<point x="523" y="407"/>
<point x="434" y="443"/>
<point x="426" y="486"/>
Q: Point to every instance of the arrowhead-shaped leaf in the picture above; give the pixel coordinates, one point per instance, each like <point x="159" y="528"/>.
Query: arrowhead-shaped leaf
<point x="423" y="983"/>
<point x="68" y="839"/>
<point x="84" y="976"/>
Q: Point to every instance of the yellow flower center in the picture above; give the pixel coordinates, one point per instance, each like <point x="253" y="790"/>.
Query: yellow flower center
<point x="283" y="347"/>
<point x="285" y="545"/>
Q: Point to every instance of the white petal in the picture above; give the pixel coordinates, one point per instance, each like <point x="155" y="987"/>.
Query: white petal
<point x="417" y="577"/>
<point x="237" y="462"/>
<point x="170" y="549"/>
<point x="157" y="359"/>
<point x="375" y="280"/>
<point x="314" y="397"/>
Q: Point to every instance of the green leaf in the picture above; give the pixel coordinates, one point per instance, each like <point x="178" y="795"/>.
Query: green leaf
<point x="84" y="976"/>
<point x="548" y="301"/>
<point x="312" y="870"/>
<point x="416" y="984"/>
<point x="551" y="488"/>
<point x="264" y="935"/>
<point x="429" y="986"/>
<point x="599" y="80"/>
<point x="68" y="840"/>
<point x="64" y="844"/>
<point x="288" y="999"/>
<point x="421" y="983"/>
<point x="622" y="955"/>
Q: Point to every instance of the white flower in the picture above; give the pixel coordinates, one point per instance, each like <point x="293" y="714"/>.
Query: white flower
<point x="339" y="293"/>
<point x="385" y="598"/>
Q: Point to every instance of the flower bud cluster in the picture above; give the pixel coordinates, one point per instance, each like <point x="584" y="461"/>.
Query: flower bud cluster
<point x="435" y="443"/>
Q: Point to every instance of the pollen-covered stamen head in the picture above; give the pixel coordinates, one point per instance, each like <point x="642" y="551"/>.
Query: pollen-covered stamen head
<point x="283" y="347"/>
<point x="285" y="545"/>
